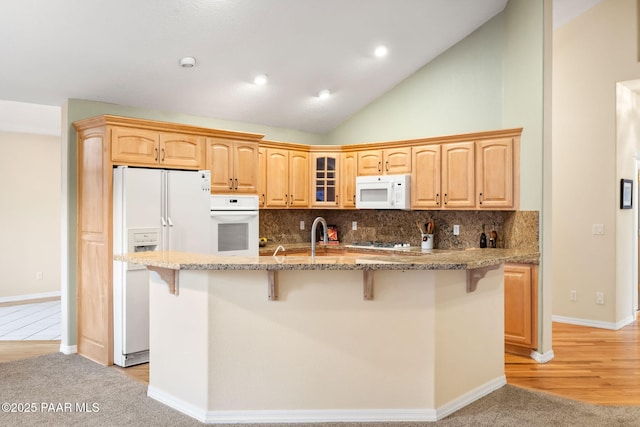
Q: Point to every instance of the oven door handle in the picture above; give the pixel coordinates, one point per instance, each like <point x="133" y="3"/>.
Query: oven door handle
<point x="235" y="215"/>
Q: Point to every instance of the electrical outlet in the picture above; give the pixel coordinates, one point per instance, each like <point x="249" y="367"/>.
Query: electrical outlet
<point x="597" y="229"/>
<point x="573" y="295"/>
<point x="354" y="225"/>
<point x="39" y="275"/>
<point x="301" y="225"/>
<point x="456" y="230"/>
<point x="599" y="297"/>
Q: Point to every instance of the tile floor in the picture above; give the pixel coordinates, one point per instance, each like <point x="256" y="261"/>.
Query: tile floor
<point x="35" y="321"/>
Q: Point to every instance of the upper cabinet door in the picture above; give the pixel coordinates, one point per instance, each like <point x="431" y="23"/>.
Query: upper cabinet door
<point x="495" y="174"/>
<point x="277" y="188"/>
<point x="397" y="160"/>
<point x="458" y="178"/>
<point x="370" y="162"/>
<point x="348" y="173"/>
<point x="298" y="179"/>
<point x="262" y="177"/>
<point x="325" y="180"/>
<point x="220" y="164"/>
<point x="245" y="166"/>
<point x="130" y="146"/>
<point x="233" y="166"/>
<point x="388" y="161"/>
<point x="425" y="179"/>
<point x="182" y="151"/>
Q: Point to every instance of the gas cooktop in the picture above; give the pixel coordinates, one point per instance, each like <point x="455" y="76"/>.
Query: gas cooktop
<point x="381" y="245"/>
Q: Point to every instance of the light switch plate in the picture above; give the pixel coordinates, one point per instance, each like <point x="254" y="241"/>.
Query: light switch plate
<point x="354" y="225"/>
<point x="301" y="225"/>
<point x="597" y="229"/>
<point x="456" y="230"/>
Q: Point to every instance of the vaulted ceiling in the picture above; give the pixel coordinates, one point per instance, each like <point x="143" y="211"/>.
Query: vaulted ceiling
<point x="128" y="52"/>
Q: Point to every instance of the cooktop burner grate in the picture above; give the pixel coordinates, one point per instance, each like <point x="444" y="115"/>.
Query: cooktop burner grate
<point x="381" y="245"/>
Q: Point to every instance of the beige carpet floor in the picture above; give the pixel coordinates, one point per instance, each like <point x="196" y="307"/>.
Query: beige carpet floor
<point x="59" y="390"/>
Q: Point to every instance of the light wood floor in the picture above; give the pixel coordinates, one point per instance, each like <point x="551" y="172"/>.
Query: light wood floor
<point x="591" y="365"/>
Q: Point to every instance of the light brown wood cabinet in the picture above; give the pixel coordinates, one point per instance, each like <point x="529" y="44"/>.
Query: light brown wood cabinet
<point x="458" y="178"/>
<point x="466" y="175"/>
<point x="233" y="166"/>
<point x="426" y="177"/>
<point x="262" y="177"/>
<point x="143" y="147"/>
<point x="520" y="308"/>
<point x="102" y="143"/>
<point x="496" y="174"/>
<point x="443" y="176"/>
<point x="348" y="173"/>
<point x="325" y="180"/>
<point x="287" y="184"/>
<point x="385" y="161"/>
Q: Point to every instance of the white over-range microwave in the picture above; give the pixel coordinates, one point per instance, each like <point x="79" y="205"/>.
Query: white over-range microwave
<point x="383" y="192"/>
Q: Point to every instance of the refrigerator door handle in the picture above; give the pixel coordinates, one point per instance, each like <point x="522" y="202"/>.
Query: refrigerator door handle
<point x="164" y="223"/>
<point x="170" y="222"/>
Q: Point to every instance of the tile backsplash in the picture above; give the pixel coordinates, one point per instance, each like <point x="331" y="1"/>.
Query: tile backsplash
<point x="515" y="229"/>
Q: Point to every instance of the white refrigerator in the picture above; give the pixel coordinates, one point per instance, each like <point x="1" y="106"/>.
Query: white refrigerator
<point x="153" y="209"/>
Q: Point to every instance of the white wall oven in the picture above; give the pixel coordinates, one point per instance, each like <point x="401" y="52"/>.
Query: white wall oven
<point x="234" y="225"/>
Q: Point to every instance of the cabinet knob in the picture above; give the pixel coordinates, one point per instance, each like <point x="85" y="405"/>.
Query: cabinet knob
<point x="445" y="198"/>
<point x="379" y="166"/>
<point x="236" y="184"/>
<point x="480" y="198"/>
<point x="438" y="199"/>
<point x="156" y="150"/>
<point x="264" y="199"/>
<point x="162" y="159"/>
<point x="386" y="166"/>
<point x="337" y="203"/>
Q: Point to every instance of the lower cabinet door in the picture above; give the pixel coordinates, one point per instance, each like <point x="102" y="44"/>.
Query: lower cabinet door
<point x="521" y="305"/>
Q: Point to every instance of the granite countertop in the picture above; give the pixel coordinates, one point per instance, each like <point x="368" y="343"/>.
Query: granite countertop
<point x="360" y="259"/>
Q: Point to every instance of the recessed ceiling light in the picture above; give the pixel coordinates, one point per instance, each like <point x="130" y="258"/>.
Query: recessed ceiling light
<point x="260" y="79"/>
<point x="324" y="93"/>
<point x="188" y="62"/>
<point x="380" y="52"/>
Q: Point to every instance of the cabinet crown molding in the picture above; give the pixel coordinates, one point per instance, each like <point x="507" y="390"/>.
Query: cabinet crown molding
<point x="111" y="120"/>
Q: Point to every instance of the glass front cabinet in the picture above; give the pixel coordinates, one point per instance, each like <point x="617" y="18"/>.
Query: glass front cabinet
<point x="326" y="184"/>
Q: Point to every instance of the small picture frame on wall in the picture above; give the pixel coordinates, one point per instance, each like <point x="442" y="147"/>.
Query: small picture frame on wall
<point x="626" y="194"/>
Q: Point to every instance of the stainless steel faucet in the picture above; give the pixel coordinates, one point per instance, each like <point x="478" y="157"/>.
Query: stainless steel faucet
<point x="313" y="233"/>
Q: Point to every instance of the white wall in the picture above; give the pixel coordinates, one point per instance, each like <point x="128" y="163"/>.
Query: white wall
<point x="30" y="212"/>
<point x="590" y="55"/>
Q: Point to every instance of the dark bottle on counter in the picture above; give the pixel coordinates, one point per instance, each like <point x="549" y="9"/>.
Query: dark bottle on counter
<point x="483" y="239"/>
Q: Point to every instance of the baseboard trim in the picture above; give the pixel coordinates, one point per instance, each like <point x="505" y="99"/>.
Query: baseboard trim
<point x="594" y="323"/>
<point x="326" y="416"/>
<point x="28" y="297"/>
<point x="469" y="397"/>
<point x="68" y="349"/>
<point x="545" y="357"/>
<point x="177" y="404"/>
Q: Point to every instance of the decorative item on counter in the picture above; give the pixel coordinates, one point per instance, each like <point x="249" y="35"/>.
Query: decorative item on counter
<point x="427" y="241"/>
<point x="493" y="240"/>
<point x="262" y="242"/>
<point x="483" y="238"/>
<point x="426" y="234"/>
<point x="332" y="234"/>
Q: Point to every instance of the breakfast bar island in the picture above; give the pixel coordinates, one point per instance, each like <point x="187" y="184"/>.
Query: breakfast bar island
<point x="358" y="337"/>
